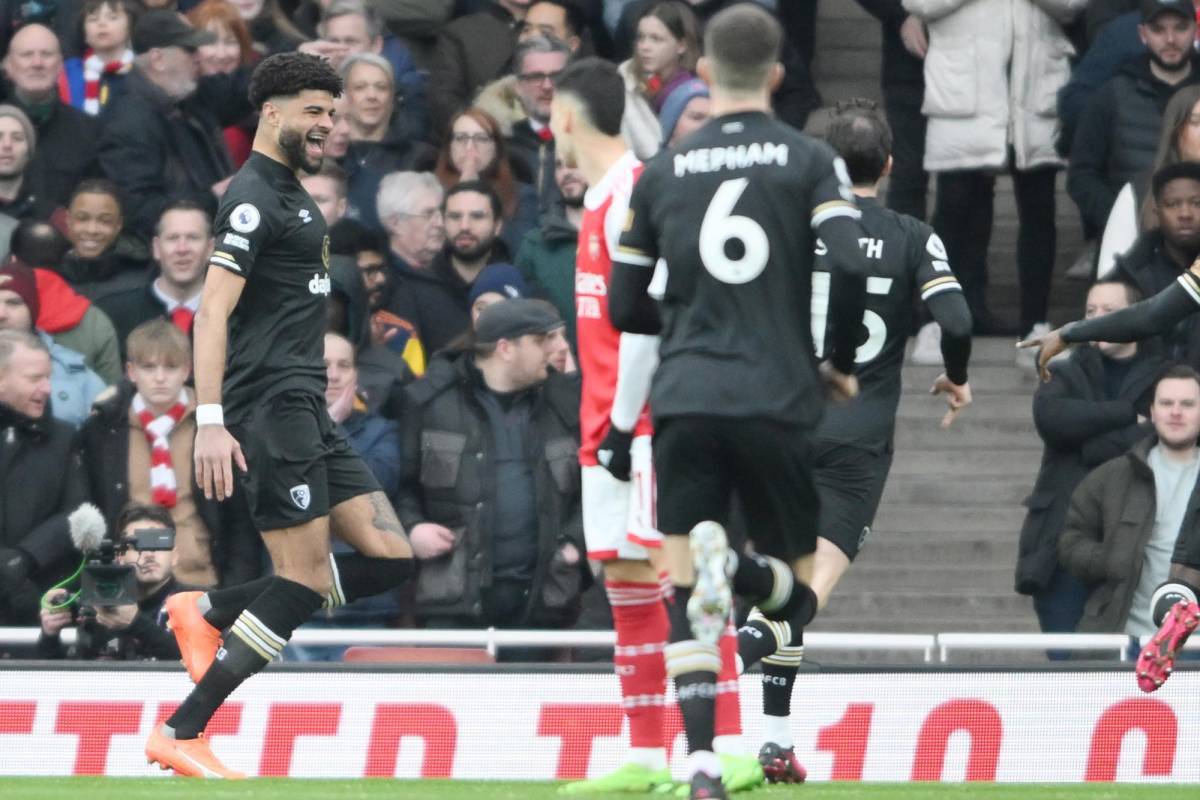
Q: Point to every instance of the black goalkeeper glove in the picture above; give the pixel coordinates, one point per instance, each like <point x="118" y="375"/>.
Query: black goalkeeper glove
<point x="613" y="453"/>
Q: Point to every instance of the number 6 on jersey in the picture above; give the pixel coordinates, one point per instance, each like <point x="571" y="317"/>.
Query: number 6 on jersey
<point x="721" y="226"/>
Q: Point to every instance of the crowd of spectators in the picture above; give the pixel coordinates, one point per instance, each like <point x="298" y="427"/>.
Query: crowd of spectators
<point x="453" y="227"/>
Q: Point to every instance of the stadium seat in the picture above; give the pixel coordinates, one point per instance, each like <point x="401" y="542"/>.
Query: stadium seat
<point x="419" y="655"/>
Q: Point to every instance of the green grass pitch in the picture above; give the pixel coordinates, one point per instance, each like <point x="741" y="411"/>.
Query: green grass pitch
<point x="369" y="789"/>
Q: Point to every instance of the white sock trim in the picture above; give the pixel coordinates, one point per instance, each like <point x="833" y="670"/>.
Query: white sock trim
<point x="1180" y="589"/>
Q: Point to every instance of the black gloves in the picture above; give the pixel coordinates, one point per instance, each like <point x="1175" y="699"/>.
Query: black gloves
<point x="613" y="453"/>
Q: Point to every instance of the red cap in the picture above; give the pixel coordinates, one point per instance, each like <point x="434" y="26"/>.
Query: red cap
<point x="16" y="277"/>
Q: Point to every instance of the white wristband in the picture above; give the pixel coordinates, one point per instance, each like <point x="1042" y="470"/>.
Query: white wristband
<point x="210" y="414"/>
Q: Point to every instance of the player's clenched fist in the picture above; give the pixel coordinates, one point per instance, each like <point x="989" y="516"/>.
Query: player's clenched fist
<point x="613" y="453"/>
<point x="215" y="454"/>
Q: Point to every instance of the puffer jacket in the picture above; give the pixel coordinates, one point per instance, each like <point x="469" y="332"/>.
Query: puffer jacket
<point x="992" y="76"/>
<point x="447" y="472"/>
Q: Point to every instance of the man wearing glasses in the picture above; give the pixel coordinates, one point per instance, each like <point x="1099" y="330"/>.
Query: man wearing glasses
<point x="537" y="63"/>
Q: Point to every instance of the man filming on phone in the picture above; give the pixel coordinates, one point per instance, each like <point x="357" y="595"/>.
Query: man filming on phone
<point x="129" y="631"/>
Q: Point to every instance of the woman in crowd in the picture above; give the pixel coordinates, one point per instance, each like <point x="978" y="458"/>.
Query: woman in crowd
<point x="232" y="49"/>
<point x="1133" y="212"/>
<point x="665" y="54"/>
<point x="475" y="150"/>
<point x="91" y="81"/>
<point x="377" y="142"/>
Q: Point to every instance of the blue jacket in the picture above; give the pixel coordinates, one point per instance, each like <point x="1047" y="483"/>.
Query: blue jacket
<point x="377" y="442"/>
<point x="73" y="387"/>
<point x="1116" y="43"/>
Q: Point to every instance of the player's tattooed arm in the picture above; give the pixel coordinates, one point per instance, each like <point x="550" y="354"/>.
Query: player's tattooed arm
<point x="383" y="516"/>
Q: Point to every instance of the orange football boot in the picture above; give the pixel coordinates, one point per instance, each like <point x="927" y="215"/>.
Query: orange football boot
<point x="192" y="758"/>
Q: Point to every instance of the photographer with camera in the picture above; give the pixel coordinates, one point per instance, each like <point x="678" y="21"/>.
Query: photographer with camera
<point x="118" y="613"/>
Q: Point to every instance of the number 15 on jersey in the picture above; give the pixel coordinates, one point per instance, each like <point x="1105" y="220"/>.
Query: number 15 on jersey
<point x="876" y="327"/>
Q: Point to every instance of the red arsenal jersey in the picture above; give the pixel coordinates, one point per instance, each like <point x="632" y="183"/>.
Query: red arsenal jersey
<point x="605" y="207"/>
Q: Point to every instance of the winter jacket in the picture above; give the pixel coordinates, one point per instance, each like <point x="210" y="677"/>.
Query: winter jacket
<point x="366" y="163"/>
<point x="73" y="322"/>
<point x="992" y="76"/>
<point x="73" y="387"/>
<point x="1081" y="428"/>
<point x="1108" y="525"/>
<point x="1148" y="267"/>
<point x="1117" y="136"/>
<point x="236" y="551"/>
<point x="1100" y="13"/>
<point x="156" y="148"/>
<point x="448" y="478"/>
<point x="377" y="442"/>
<point x="41" y="482"/>
<point x="1117" y="44"/>
<point x="546" y="259"/>
<point x="122" y="266"/>
<point x="435" y="299"/>
<point x="472" y="51"/>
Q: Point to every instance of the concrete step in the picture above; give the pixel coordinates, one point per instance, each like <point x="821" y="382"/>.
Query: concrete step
<point x="909" y="575"/>
<point x="922" y="604"/>
<point x="947" y="521"/>
<point x="971" y="547"/>
<point x="957" y="491"/>
<point x="1015" y="406"/>
<point x="998" y="463"/>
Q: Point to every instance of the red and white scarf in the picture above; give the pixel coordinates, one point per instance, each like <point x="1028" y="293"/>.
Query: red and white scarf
<point x="94" y="69"/>
<point x="158" y="433"/>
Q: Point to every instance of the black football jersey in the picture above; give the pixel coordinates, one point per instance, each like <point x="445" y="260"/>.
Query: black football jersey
<point x="904" y="256"/>
<point x="269" y="231"/>
<point x="732" y="212"/>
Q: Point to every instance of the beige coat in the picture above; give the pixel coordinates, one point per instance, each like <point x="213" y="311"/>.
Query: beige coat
<point x="992" y="76"/>
<point x="639" y="125"/>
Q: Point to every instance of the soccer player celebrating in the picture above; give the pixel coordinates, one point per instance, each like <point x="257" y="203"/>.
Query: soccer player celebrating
<point x="260" y="381"/>
<point x="853" y="443"/>
<point x="736" y="394"/>
<point x="618" y="479"/>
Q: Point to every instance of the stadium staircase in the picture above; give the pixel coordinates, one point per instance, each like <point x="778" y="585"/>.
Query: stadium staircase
<point x="942" y="553"/>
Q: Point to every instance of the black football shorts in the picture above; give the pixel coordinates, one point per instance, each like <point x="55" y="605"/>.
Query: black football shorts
<point x="300" y="465"/>
<point x="701" y="461"/>
<point x="850" y="481"/>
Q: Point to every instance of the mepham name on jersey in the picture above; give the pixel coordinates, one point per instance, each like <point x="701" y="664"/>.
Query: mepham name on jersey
<point x="741" y="156"/>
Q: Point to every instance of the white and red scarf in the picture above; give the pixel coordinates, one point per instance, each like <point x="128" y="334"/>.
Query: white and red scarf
<point x="158" y="433"/>
<point x="94" y="69"/>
